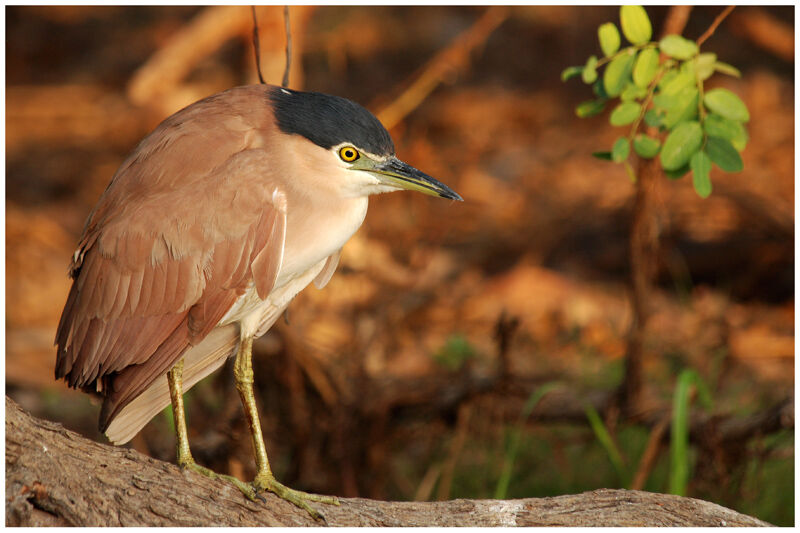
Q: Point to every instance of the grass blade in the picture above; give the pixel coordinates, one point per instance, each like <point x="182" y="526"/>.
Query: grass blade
<point x="501" y="490"/>
<point x="604" y="437"/>
<point x="679" y="437"/>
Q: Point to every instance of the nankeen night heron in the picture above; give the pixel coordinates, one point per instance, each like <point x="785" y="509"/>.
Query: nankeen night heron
<point x="218" y="218"/>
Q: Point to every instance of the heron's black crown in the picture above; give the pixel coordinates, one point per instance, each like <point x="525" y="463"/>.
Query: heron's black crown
<point x="329" y="120"/>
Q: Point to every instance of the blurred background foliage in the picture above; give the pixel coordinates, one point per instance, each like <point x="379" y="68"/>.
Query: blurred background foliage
<point x="462" y="350"/>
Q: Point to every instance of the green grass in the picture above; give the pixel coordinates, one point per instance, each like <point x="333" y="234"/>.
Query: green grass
<point x="455" y="352"/>
<point x="607" y="442"/>
<point x="513" y="449"/>
<point x="768" y="486"/>
<point x="679" y="437"/>
<point x="551" y="460"/>
<point x="523" y="461"/>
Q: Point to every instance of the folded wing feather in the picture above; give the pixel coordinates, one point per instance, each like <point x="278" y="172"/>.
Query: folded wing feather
<point x="153" y="278"/>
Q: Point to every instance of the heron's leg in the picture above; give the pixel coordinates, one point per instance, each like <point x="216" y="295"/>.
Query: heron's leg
<point x="185" y="459"/>
<point x="265" y="480"/>
<point x="175" y="381"/>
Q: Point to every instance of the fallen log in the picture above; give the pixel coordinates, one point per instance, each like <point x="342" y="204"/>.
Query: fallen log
<point x="55" y="477"/>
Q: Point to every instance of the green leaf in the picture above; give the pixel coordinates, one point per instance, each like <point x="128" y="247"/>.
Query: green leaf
<point x="632" y="92"/>
<point x="590" y="108"/>
<point x="668" y="76"/>
<point x="599" y="90"/>
<point x="646" y="67"/>
<point x="723" y="154"/>
<point x="725" y="128"/>
<point x="589" y="73"/>
<point x="725" y="103"/>
<point x="618" y="72"/>
<point x="571" y="72"/>
<point x="740" y="141"/>
<point x="681" y="144"/>
<point x="652" y="118"/>
<point x="678" y="47"/>
<point x="701" y="169"/>
<point x="704" y="65"/>
<point x="663" y="102"/>
<point x="677" y="174"/>
<point x="677" y="107"/>
<point x="688" y="66"/>
<point x="646" y="147"/>
<point x="635" y="24"/>
<point x="725" y="68"/>
<point x="719" y="126"/>
<point x="684" y="110"/>
<point x="678" y="83"/>
<point x="621" y="149"/>
<point x="625" y="113"/>
<point x="608" y="35"/>
<point x="605" y="156"/>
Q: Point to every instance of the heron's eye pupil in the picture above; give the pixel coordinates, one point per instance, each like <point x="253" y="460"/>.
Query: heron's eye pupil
<point x="348" y="154"/>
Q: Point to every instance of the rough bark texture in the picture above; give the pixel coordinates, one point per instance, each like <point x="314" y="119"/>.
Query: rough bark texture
<point x="56" y="477"/>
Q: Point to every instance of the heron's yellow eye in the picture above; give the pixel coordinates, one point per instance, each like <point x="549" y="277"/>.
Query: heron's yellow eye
<point x="348" y="154"/>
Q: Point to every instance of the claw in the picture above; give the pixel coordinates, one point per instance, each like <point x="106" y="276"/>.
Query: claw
<point x="267" y="482"/>
<point x="264" y="480"/>
<point x="248" y="490"/>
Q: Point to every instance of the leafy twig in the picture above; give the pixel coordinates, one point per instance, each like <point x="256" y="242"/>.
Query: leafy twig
<point x="651" y="89"/>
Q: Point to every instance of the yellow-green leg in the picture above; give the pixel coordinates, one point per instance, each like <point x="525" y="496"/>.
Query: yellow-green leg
<point x="264" y="480"/>
<point x="185" y="459"/>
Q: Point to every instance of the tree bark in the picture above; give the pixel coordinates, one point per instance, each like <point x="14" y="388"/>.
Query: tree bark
<point x="55" y="477"/>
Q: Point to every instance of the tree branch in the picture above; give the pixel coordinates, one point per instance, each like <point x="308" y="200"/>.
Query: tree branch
<point x="257" y="48"/>
<point x="643" y="253"/>
<point x="717" y="21"/>
<point x="444" y="64"/>
<point x="56" y="477"/>
<point x="285" y="82"/>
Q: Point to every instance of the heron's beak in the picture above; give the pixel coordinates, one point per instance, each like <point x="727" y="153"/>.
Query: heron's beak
<point x="398" y="174"/>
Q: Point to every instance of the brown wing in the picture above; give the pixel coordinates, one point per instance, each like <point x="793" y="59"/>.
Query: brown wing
<point x="159" y="266"/>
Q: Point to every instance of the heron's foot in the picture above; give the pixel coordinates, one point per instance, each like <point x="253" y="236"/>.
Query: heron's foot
<point x="266" y="481"/>
<point x="247" y="489"/>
